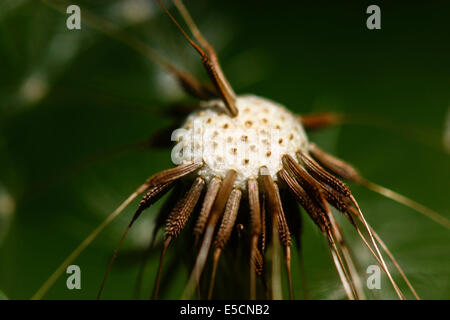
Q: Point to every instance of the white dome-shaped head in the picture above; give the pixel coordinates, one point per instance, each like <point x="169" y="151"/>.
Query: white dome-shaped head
<point x="259" y="136"/>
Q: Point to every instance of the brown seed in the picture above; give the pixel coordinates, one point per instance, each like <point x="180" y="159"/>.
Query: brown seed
<point x="229" y="217"/>
<point x="183" y="209"/>
<point x="211" y="193"/>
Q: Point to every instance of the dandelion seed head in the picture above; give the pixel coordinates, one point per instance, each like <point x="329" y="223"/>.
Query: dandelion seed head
<point x="262" y="132"/>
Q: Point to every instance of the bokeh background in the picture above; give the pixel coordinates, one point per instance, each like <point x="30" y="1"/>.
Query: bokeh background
<point x="73" y="105"/>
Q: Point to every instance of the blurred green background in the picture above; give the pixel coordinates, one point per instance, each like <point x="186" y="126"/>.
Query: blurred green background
<point x="72" y="102"/>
